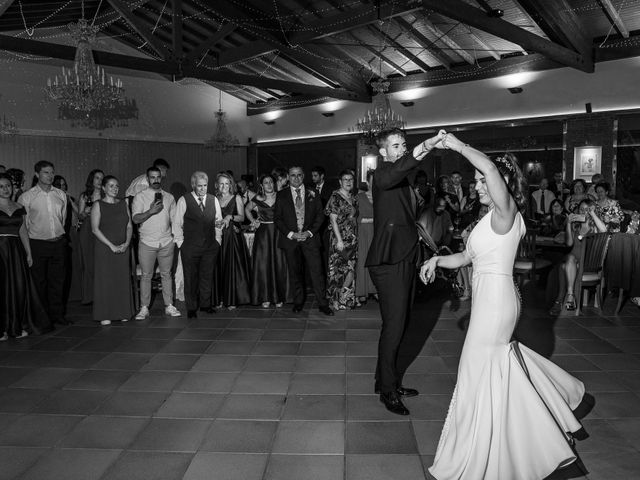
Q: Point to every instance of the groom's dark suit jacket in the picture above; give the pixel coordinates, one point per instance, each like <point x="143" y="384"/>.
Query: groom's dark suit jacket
<point x="395" y="236"/>
<point x="285" y="217"/>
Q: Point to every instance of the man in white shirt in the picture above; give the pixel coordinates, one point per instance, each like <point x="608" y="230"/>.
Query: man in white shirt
<point x="46" y="208"/>
<point x="198" y="234"/>
<point x="141" y="183"/>
<point x="543" y="198"/>
<point x="153" y="210"/>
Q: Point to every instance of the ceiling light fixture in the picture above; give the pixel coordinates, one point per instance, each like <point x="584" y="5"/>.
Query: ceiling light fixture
<point x="328" y="114"/>
<point x="380" y="117"/>
<point x="270" y="122"/>
<point x="407" y="104"/>
<point x="221" y="140"/>
<point x="515" y="90"/>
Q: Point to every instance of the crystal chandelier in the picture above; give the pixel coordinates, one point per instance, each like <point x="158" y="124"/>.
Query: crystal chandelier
<point x="8" y="127"/>
<point x="85" y="87"/>
<point x="380" y="116"/>
<point x="101" y="118"/>
<point x="221" y="140"/>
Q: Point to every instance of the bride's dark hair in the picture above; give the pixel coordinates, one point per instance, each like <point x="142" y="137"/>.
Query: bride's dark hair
<point x="512" y="173"/>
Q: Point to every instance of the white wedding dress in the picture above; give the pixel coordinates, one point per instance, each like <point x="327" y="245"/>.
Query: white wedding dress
<point x="499" y="426"/>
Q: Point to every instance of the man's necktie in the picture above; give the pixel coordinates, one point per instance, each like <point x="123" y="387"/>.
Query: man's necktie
<point x="201" y="204"/>
<point x="298" y="199"/>
<point x="543" y="208"/>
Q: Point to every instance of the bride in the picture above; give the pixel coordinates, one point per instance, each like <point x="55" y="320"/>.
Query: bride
<point x="513" y="413"/>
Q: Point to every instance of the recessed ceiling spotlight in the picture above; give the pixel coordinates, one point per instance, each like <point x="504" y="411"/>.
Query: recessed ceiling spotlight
<point x="515" y="90"/>
<point x="407" y="104"/>
<point x="270" y="122"/>
<point x="328" y="114"/>
<point x="495" y="13"/>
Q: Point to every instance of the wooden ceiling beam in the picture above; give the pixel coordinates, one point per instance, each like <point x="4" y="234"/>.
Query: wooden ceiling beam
<point x="4" y="5"/>
<point x="379" y="54"/>
<point x="448" y="41"/>
<point x="176" y="19"/>
<point x="141" y="29"/>
<point x="559" y="22"/>
<point x="399" y="48"/>
<point x="212" y="41"/>
<point x="614" y="17"/>
<point x="107" y="59"/>
<point x="427" y="44"/>
<point x="477" y="18"/>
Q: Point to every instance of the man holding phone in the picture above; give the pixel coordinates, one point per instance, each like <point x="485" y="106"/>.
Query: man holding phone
<point x="153" y="211"/>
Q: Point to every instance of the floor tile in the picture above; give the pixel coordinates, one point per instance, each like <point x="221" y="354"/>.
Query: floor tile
<point x="149" y="465"/>
<point x="276" y="348"/>
<point x="307" y="437"/>
<point x="264" y="363"/>
<point x="617" y="405"/>
<point x="171" y="362"/>
<point x="187" y="346"/>
<point x="132" y="404"/>
<point x="369" y="407"/>
<point x="383" y="467"/>
<point x="317" y="383"/>
<point x="77" y="464"/>
<point x="307" y="467"/>
<point x="16" y="460"/>
<point x="104" y="432"/>
<point x="190" y="405"/>
<point x="240" y="436"/>
<point x="220" y="363"/>
<point x="37" y="430"/>
<point x="252" y="382"/>
<point x="320" y="365"/>
<point x="427" y="435"/>
<point x="219" y="466"/>
<point x="314" y="407"/>
<point x="99" y="380"/>
<point x="207" y="382"/>
<point x="48" y="378"/>
<point x="380" y="438"/>
<point x="252" y="407"/>
<point x="150" y="381"/>
<point x="123" y="361"/>
<point x="72" y="402"/>
<point x="174" y="435"/>
<point x="20" y="400"/>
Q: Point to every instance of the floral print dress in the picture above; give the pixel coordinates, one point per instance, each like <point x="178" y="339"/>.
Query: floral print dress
<point x="611" y="214"/>
<point x="342" y="264"/>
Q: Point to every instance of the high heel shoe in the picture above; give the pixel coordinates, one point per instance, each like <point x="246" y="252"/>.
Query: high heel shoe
<point x="570" y="302"/>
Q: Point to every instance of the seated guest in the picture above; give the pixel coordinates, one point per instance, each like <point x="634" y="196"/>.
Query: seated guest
<point x="577" y="193"/>
<point x="342" y="210"/>
<point x="21" y="312"/>
<point x="607" y="208"/>
<point x="578" y="225"/>
<point x="559" y="187"/>
<point x="153" y="209"/>
<point x="438" y="222"/>
<point x="595" y="180"/>
<point x="364" y="284"/>
<point x="298" y="216"/>
<point x="142" y="183"/>
<point x="111" y="225"/>
<point x="270" y="279"/>
<point x="91" y="194"/>
<point x="46" y="208"/>
<point x="470" y="205"/>
<point x="556" y="221"/>
<point x="542" y="199"/>
<point x="443" y="190"/>
<point x="198" y="234"/>
<point x="234" y="255"/>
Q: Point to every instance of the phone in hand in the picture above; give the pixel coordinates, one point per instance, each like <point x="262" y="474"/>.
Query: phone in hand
<point x="158" y="197"/>
<point x="579" y="217"/>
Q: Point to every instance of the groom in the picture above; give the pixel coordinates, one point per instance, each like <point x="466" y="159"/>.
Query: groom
<point x="392" y="260"/>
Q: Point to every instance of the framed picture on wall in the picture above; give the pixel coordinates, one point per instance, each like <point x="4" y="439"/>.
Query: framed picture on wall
<point x="367" y="162"/>
<point x="587" y="161"/>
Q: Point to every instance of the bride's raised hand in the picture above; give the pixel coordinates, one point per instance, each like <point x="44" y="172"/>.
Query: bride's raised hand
<point x="450" y="142"/>
<point x="428" y="270"/>
<point x="436" y="140"/>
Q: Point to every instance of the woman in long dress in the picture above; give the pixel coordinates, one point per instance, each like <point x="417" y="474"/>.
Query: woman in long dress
<point x="21" y="312"/>
<point x="511" y="407"/>
<point x="111" y="225"/>
<point x="342" y="210"/>
<point x="364" y="284"/>
<point x="91" y="194"/>
<point x="270" y="278"/>
<point x="234" y="255"/>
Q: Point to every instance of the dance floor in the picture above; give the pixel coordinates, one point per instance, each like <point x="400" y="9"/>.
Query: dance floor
<point x="257" y="394"/>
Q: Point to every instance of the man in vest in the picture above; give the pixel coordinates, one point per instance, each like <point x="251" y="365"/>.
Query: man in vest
<point x="197" y="232"/>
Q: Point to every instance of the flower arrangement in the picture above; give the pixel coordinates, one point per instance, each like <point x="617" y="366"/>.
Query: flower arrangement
<point x="634" y="226"/>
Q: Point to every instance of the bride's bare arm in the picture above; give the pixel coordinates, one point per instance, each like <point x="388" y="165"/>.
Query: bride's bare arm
<point x="457" y="260"/>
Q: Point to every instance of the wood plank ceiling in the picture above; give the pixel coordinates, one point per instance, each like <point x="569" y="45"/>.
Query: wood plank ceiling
<point x="291" y="53"/>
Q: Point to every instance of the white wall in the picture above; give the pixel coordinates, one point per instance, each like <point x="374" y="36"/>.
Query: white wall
<point x="613" y="86"/>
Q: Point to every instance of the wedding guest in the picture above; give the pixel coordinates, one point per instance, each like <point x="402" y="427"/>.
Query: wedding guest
<point x="542" y="199"/>
<point x="153" y="210"/>
<point x="579" y="224"/>
<point x="607" y="208"/>
<point x="73" y="280"/>
<point x="234" y="256"/>
<point x="198" y="234"/>
<point x="342" y="210"/>
<point x="469" y="206"/>
<point x="142" y="182"/>
<point x="270" y="279"/>
<point x="245" y="193"/>
<point x="3" y="169"/>
<point x="556" y="221"/>
<point x="46" y="211"/>
<point x="559" y="187"/>
<point x="21" y="311"/>
<point x="444" y="190"/>
<point x="91" y="194"/>
<point x="438" y="222"/>
<point x="595" y="180"/>
<point x="422" y="187"/>
<point x="456" y="185"/>
<point x="577" y="193"/>
<point x="298" y="216"/>
<point x="111" y="225"/>
<point x="18" y="180"/>
<point x="282" y="177"/>
<point x="364" y="284"/>
<point x="72" y="209"/>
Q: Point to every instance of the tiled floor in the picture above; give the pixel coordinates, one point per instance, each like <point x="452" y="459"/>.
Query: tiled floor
<point x="257" y="394"/>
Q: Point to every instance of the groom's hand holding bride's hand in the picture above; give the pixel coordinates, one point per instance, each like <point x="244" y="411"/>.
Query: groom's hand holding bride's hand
<point x="428" y="270"/>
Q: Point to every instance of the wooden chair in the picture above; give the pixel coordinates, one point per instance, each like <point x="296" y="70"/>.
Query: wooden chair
<point x="590" y="269"/>
<point x="527" y="263"/>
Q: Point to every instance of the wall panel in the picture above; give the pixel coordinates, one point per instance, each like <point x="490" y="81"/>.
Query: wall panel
<point x="74" y="158"/>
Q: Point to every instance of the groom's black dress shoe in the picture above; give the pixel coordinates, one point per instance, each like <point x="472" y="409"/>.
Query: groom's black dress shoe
<point x="326" y="311"/>
<point x="402" y="391"/>
<point x="297" y="308"/>
<point x="393" y="403"/>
